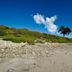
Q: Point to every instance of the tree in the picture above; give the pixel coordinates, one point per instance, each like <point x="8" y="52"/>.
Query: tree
<point x="64" y="30"/>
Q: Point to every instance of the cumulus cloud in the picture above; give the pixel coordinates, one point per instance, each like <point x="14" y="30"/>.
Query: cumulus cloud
<point x="39" y="19"/>
<point x="47" y="21"/>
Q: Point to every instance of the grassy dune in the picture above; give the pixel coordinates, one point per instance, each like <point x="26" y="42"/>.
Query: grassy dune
<point x="24" y="35"/>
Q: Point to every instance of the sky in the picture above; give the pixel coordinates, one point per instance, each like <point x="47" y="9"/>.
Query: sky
<point x="21" y="13"/>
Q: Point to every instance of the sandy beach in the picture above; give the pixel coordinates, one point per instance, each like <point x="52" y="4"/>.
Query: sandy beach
<point x="49" y="57"/>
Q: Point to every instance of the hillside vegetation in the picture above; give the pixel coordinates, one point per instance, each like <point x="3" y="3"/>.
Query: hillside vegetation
<point x="24" y="35"/>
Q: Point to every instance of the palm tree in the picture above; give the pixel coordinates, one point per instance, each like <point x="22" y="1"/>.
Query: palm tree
<point x="64" y="30"/>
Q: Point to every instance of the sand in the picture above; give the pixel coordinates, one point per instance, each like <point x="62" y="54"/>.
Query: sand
<point x="50" y="57"/>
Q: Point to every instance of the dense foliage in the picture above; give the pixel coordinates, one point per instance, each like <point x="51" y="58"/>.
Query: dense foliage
<point x="65" y="30"/>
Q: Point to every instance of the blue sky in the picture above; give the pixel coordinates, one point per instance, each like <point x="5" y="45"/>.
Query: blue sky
<point x="18" y="13"/>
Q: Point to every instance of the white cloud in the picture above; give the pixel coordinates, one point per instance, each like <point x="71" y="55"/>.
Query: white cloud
<point x="39" y="19"/>
<point x="48" y="22"/>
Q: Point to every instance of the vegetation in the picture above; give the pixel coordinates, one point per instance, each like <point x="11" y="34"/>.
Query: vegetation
<point x="24" y="35"/>
<point x="64" y="30"/>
